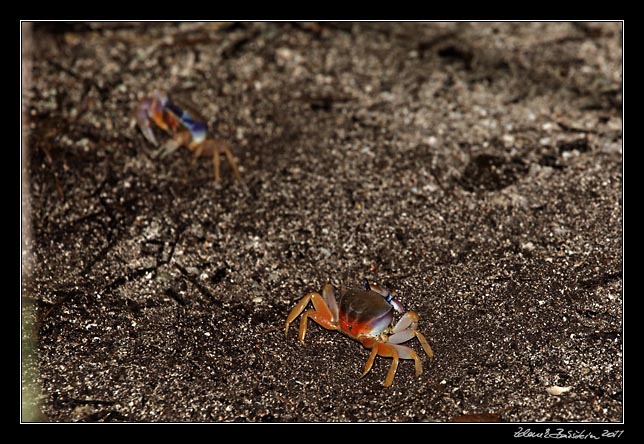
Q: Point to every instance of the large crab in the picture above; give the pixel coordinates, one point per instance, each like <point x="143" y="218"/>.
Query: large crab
<point x="187" y="127"/>
<point x="365" y="315"/>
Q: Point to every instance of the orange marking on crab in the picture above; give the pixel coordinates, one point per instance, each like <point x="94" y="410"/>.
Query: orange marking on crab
<point x="365" y="315"/>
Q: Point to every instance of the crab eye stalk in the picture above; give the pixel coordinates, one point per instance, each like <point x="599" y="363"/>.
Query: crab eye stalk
<point x="366" y="285"/>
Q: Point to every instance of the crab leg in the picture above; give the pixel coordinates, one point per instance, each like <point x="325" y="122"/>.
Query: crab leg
<point x="297" y="310"/>
<point x="388" y="351"/>
<point x="369" y="363"/>
<point x="408" y="353"/>
<point x="321" y="318"/>
<point x="394" y="366"/>
<point x="425" y="344"/>
<point x="321" y="314"/>
<point x="216" y="165"/>
<point x="396" y="352"/>
<point x="231" y="161"/>
<point x="214" y="148"/>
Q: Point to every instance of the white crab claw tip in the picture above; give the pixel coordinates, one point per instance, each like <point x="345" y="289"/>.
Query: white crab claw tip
<point x="149" y="135"/>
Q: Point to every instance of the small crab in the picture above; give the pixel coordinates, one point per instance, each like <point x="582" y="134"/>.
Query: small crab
<point x="365" y="315"/>
<point x="187" y="127"/>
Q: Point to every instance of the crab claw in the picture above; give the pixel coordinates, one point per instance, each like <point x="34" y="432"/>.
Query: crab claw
<point x="168" y="148"/>
<point x="143" y="114"/>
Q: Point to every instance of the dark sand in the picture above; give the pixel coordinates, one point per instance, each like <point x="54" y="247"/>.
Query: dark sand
<point x="475" y="169"/>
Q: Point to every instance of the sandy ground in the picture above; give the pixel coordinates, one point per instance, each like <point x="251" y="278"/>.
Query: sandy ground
<point x="474" y="169"/>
